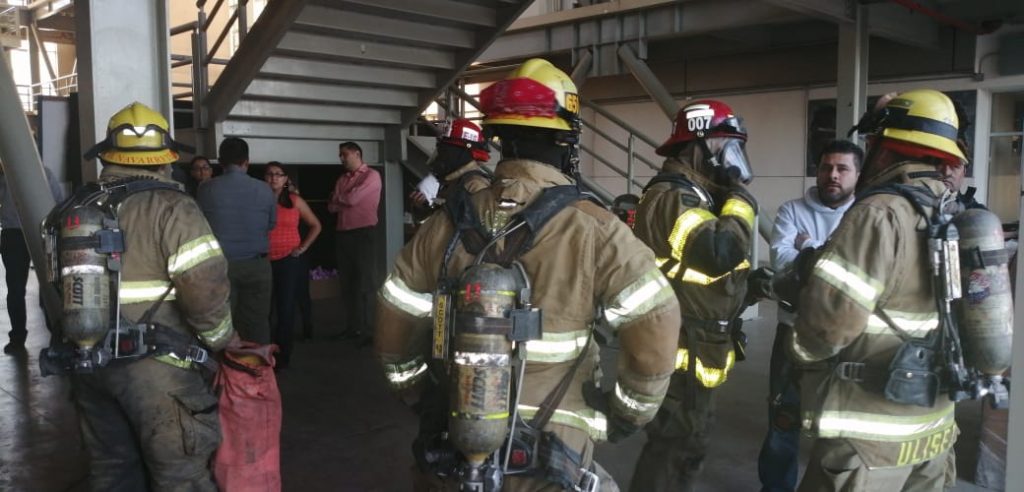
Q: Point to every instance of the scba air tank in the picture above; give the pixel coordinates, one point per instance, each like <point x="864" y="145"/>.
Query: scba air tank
<point x="85" y="279"/>
<point x="481" y="370"/>
<point x="985" y="312"/>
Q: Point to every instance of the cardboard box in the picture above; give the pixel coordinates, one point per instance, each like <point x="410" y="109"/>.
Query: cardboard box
<point x="324" y="289"/>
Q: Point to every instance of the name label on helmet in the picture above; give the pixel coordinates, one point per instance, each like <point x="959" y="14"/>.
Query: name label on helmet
<point x="698" y="119"/>
<point x="572" y="102"/>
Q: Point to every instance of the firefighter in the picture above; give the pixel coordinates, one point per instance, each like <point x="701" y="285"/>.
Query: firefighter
<point x="698" y="217"/>
<point x="869" y="292"/>
<point x="151" y="422"/>
<point x="582" y="264"/>
<point x="461" y="151"/>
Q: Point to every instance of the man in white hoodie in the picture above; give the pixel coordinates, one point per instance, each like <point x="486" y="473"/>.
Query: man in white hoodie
<point x="800" y="224"/>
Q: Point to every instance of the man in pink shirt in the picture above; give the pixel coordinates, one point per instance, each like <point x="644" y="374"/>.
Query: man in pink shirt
<point x="355" y="199"/>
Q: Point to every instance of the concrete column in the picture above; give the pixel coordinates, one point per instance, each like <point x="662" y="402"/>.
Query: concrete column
<point x="395" y="153"/>
<point x="33" y="64"/>
<point x="852" y="76"/>
<point x="122" y="57"/>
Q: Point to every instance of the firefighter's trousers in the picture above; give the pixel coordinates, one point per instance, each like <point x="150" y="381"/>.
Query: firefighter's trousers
<point x="147" y="426"/>
<point x="677" y="439"/>
<point x="836" y="466"/>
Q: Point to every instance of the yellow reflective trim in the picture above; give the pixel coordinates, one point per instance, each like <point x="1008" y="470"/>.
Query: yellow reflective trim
<point x="738" y="207"/>
<point x="132" y="292"/>
<point x="405" y="374"/>
<point x="588" y="420"/>
<point x="402" y="297"/>
<point x="192" y="254"/>
<point x="174" y="361"/>
<point x="685" y="224"/>
<point x="695" y="277"/>
<point x="916" y="324"/>
<point x="849" y="279"/>
<point x="674" y="272"/>
<point x="637" y="403"/>
<point x="708" y="376"/>
<point x="638" y="298"/>
<point x="215" y="335"/>
<point x="660" y="262"/>
<point x="490" y="416"/>
<point x="557" y="346"/>
<point x="882" y="427"/>
<point x="802" y="353"/>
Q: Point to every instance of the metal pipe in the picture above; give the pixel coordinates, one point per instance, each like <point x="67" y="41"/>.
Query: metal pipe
<point x="582" y="69"/>
<point x="42" y="50"/>
<point x="601" y="133"/>
<point x="243" y="20"/>
<point x="181" y="63"/>
<point x="607" y="163"/>
<point x="213" y="13"/>
<point x="597" y="190"/>
<point x="183" y="28"/>
<point x="618" y="121"/>
<point x="222" y="37"/>
<point x="629" y="164"/>
<point x="466" y="97"/>
<point x="26" y="181"/>
<point x="650" y="83"/>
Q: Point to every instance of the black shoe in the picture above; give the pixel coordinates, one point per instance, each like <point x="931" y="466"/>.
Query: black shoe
<point x="14" y="348"/>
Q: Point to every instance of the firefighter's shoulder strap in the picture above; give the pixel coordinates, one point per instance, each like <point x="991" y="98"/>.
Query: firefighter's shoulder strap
<point x="547" y="407"/>
<point x="921" y="199"/>
<point x="679" y="181"/>
<point x="475" y="237"/>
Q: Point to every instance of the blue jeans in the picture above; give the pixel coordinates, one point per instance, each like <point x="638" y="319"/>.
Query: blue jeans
<point x="778" y="463"/>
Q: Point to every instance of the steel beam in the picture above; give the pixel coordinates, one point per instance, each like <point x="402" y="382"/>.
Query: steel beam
<point x="284" y="67"/>
<point x="634" y="23"/>
<point x="652" y="86"/>
<point x="581" y="70"/>
<point x="378" y="27"/>
<point x="852" y="77"/>
<point x="502" y="17"/>
<point x="245" y="64"/>
<point x="122" y="57"/>
<point x="888" y="21"/>
<point x="307" y="131"/>
<point x="307" y="44"/>
<point x="322" y="152"/>
<point x="330" y="93"/>
<point x="26" y="181"/>
<point x="430" y="10"/>
<point x="272" y="110"/>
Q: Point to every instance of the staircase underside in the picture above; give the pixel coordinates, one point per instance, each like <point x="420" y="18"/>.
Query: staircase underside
<point x="330" y="71"/>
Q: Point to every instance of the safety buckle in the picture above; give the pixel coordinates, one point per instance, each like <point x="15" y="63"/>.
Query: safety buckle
<point x="196" y="354"/>
<point x="850" y="371"/>
<point x="721" y="325"/>
<point x="589" y="481"/>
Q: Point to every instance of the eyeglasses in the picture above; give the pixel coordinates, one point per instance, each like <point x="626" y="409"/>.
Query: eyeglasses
<point x="274" y="175"/>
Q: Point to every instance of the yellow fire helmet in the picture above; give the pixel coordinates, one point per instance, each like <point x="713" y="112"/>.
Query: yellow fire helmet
<point x="137" y="136"/>
<point x="923" y="117"/>
<point x="537" y="94"/>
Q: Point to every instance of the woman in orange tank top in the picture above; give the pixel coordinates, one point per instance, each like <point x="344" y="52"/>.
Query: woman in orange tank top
<point x="286" y="249"/>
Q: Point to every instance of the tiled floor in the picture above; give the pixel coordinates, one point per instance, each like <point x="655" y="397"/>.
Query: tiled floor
<point x="343" y="431"/>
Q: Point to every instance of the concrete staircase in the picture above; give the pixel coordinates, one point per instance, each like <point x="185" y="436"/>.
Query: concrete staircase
<point x="311" y="74"/>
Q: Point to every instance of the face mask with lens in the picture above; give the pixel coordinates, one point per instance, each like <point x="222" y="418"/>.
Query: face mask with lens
<point x="733" y="158"/>
<point x="448" y="159"/>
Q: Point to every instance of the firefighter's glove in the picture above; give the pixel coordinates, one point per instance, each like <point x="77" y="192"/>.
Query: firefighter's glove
<point x="618" y="427"/>
<point x="759" y="286"/>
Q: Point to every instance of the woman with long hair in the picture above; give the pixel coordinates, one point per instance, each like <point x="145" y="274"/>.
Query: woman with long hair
<point x="286" y="249"/>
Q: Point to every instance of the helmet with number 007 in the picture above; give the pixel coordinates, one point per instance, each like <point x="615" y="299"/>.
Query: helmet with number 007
<point x="702" y="119"/>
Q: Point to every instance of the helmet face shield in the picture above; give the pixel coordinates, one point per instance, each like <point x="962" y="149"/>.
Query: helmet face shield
<point x="734" y="156"/>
